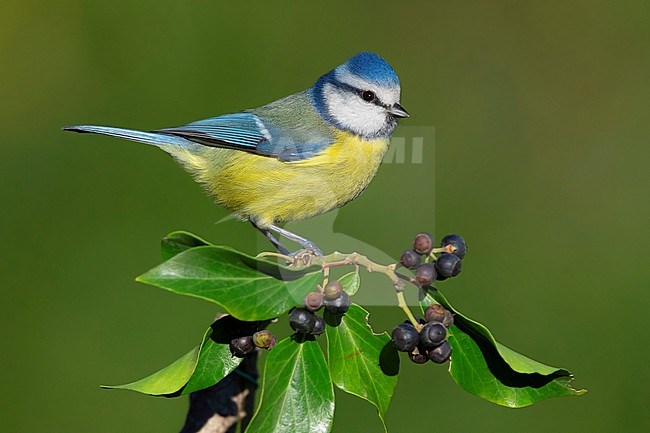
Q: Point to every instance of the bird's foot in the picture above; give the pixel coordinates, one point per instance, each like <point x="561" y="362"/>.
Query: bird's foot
<point x="303" y="257"/>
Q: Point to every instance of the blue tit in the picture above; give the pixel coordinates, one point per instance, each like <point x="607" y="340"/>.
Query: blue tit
<point x="294" y="158"/>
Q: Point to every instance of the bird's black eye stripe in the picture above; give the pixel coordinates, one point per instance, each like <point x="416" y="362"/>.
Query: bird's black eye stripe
<point x="375" y="100"/>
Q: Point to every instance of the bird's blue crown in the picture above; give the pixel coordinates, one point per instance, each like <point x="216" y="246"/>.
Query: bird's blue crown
<point x="372" y="68"/>
<point x="366" y="66"/>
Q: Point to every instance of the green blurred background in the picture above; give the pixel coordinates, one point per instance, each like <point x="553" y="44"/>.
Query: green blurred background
<point x="541" y="119"/>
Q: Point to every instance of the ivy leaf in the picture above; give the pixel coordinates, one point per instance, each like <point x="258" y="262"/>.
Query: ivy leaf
<point x="170" y="379"/>
<point x="350" y="283"/>
<point x="202" y="367"/>
<point x="361" y="362"/>
<point x="471" y="371"/>
<point x="297" y="393"/>
<point x="246" y="287"/>
<point x="216" y="361"/>
<point x="490" y="370"/>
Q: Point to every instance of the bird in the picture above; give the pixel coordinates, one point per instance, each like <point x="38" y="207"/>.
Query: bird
<point x="294" y="158"/>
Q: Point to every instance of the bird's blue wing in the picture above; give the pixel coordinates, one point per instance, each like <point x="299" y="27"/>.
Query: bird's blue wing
<point x="241" y="131"/>
<point x="289" y="129"/>
<point x="247" y="132"/>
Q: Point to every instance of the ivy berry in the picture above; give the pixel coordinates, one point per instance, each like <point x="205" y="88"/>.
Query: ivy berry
<point x="433" y="334"/>
<point x="313" y="301"/>
<point x="405" y="337"/>
<point x="336" y="300"/>
<point x="458" y="244"/>
<point x="339" y="305"/>
<point x="410" y="259"/>
<point x="242" y="346"/>
<point x="448" y="265"/>
<point x="441" y="353"/>
<point x="426" y="274"/>
<point x="332" y="289"/>
<point x="423" y="243"/>
<point x="434" y="313"/>
<point x="302" y="320"/>
<point x="264" y="340"/>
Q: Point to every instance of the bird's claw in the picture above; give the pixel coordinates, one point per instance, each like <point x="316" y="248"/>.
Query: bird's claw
<point x="303" y="257"/>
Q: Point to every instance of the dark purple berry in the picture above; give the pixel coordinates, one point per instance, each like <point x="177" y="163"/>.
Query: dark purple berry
<point x="418" y="357"/>
<point x="441" y="353"/>
<point x="405" y="337"/>
<point x="319" y="326"/>
<point x="313" y="301"/>
<point x="458" y="243"/>
<point x="448" y="265"/>
<point x="426" y="274"/>
<point x="410" y="259"/>
<point x="448" y="320"/>
<point x="264" y="340"/>
<point x="339" y="305"/>
<point x="332" y="289"/>
<point x="242" y="346"/>
<point x="433" y="334"/>
<point x="302" y="321"/>
<point x="435" y="313"/>
<point x="423" y="243"/>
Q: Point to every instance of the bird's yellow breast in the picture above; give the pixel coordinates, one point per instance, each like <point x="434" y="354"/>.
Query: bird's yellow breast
<point x="268" y="190"/>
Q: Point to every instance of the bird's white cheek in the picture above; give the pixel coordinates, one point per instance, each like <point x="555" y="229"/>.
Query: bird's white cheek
<point x="354" y="114"/>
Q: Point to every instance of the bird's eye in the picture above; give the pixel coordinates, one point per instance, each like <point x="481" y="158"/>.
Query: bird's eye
<point x="368" y="96"/>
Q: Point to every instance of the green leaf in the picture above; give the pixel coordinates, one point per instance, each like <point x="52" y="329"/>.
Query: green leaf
<point x="202" y="367"/>
<point x="216" y="361"/>
<point x="470" y="370"/>
<point x="297" y="393"/>
<point x="171" y="378"/>
<point x="350" y="283"/>
<point x="246" y="287"/>
<point x="490" y="370"/>
<point x="179" y="241"/>
<point x="361" y="362"/>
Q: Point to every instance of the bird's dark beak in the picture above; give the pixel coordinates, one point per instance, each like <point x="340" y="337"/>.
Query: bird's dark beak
<point x="398" y="111"/>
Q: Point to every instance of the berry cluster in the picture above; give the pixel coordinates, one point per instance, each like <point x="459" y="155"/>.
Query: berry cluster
<point x="336" y="301"/>
<point x="447" y="264"/>
<point x="430" y="343"/>
<point x="242" y="346"/>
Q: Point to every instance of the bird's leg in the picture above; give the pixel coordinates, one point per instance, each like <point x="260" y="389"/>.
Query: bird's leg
<point x="305" y="243"/>
<point x="276" y="243"/>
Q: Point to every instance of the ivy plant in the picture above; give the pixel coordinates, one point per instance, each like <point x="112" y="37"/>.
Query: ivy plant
<point x="299" y="378"/>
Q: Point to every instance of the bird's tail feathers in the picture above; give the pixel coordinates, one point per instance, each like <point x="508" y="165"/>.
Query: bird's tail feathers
<point x="160" y="140"/>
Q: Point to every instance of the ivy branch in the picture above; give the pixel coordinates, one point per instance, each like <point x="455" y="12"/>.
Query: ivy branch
<point x="306" y="258"/>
